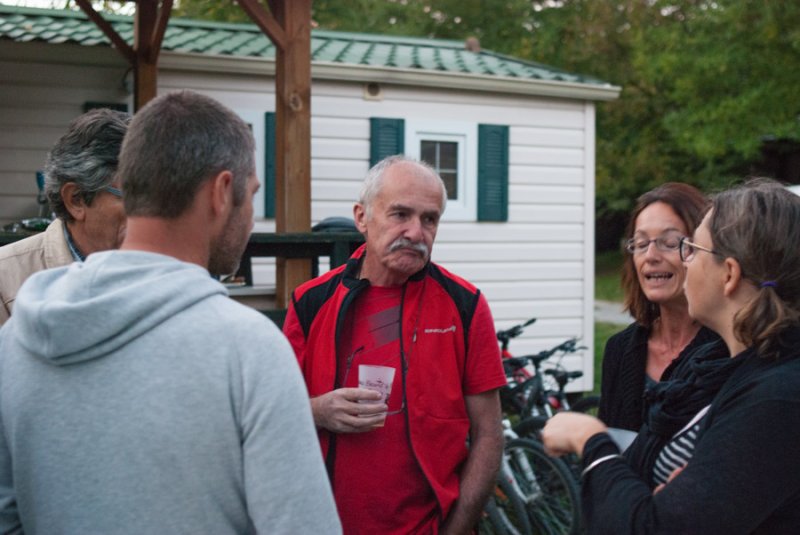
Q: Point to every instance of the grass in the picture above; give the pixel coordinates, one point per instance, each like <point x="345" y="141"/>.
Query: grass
<point x="607" y="271"/>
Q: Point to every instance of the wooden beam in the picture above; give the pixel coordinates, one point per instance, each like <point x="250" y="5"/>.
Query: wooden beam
<point x="118" y="42"/>
<point x="149" y="27"/>
<point x="265" y="21"/>
<point x="160" y="29"/>
<point x="145" y="72"/>
<point x="293" y="139"/>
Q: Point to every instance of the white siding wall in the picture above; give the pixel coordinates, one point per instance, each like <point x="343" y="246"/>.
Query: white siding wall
<point x="538" y="264"/>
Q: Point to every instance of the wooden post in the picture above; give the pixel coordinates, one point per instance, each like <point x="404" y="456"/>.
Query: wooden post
<point x="293" y="139"/>
<point x="145" y="72"/>
<point x="289" y="27"/>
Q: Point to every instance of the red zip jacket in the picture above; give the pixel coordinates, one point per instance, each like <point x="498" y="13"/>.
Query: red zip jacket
<point x="437" y="311"/>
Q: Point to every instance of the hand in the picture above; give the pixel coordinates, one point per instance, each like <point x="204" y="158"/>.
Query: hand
<point x="339" y="411"/>
<point x="672" y="476"/>
<point x="567" y="432"/>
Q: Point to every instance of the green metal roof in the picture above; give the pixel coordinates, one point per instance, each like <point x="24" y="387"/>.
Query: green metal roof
<point x="246" y="40"/>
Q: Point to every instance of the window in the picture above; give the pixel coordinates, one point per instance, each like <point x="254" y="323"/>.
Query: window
<point x="451" y="148"/>
<point x="478" y="189"/>
<point x="443" y="156"/>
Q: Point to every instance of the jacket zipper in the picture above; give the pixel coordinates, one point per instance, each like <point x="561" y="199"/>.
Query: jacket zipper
<point x="330" y="458"/>
<point x="403" y="369"/>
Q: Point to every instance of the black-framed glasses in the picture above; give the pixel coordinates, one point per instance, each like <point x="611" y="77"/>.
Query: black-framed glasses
<point x="687" y="250"/>
<point x="666" y="243"/>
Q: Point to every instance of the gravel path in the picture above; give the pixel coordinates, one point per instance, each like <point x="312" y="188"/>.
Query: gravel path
<point x="610" y="312"/>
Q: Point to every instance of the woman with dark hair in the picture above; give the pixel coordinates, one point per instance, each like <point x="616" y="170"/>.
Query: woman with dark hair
<point x="652" y="279"/>
<point x="735" y="463"/>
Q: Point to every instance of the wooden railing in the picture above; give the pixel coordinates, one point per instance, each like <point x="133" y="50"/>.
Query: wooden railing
<point x="337" y="246"/>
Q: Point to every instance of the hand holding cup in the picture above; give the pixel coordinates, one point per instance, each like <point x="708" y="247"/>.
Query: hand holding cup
<point x="378" y="379"/>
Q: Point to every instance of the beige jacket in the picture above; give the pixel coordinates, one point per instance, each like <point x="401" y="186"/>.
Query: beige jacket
<point x="21" y="259"/>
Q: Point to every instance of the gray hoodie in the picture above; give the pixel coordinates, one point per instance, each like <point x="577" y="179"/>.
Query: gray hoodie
<point x="136" y="397"/>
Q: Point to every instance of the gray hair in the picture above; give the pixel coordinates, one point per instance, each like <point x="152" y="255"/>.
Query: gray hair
<point x="374" y="180"/>
<point x="174" y="144"/>
<point x="87" y="154"/>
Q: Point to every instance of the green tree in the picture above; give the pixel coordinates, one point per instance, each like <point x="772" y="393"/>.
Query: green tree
<point x="217" y="10"/>
<point x="704" y="84"/>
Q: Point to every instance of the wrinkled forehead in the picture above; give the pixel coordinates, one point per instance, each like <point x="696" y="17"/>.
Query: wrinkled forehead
<point x="413" y="177"/>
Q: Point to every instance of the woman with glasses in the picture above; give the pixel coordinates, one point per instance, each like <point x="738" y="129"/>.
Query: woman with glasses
<point x="663" y="333"/>
<point x="736" y="461"/>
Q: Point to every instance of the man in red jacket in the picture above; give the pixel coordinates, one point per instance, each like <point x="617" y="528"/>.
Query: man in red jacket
<point x="425" y="460"/>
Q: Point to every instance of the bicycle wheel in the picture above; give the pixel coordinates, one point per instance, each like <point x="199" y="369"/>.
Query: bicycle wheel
<point x="551" y="493"/>
<point x="587" y="405"/>
<point x="505" y="512"/>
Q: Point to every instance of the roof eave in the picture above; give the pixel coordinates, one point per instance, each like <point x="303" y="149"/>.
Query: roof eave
<point x="323" y="70"/>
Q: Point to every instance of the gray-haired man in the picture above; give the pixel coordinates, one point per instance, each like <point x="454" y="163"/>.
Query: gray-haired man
<point x="83" y="191"/>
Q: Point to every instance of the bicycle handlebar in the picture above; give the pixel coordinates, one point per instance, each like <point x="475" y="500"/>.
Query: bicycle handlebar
<point x="513" y="332"/>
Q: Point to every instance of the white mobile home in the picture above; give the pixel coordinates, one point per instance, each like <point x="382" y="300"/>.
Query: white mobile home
<point x="514" y="139"/>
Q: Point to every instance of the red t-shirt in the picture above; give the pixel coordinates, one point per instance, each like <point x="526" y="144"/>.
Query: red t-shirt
<point x="378" y="485"/>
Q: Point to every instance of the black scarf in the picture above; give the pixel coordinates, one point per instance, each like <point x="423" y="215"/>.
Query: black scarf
<point x="671" y="404"/>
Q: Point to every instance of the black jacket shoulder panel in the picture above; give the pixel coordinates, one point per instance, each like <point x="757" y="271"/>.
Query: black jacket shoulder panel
<point x="312" y="301"/>
<point x="465" y="300"/>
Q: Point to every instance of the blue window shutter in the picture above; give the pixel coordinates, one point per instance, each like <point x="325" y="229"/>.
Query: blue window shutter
<point x="387" y="137"/>
<point x="269" y="164"/>
<point x="492" y="172"/>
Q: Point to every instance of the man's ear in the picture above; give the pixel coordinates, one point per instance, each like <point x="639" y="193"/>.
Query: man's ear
<point x="73" y="201"/>
<point x="733" y="276"/>
<point x="221" y="192"/>
<point x="360" y="217"/>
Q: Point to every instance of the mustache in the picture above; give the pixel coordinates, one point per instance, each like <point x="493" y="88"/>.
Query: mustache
<point x="403" y="243"/>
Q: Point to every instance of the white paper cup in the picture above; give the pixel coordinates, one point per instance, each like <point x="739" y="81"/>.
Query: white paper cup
<point x="377" y="378"/>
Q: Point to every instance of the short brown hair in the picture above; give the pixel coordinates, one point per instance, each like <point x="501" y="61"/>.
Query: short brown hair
<point x="174" y="144"/>
<point x="758" y="225"/>
<point x="690" y="205"/>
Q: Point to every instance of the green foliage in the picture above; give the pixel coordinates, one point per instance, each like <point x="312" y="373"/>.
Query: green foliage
<point x="218" y="10"/>
<point x="704" y="84"/>
<point x="499" y="25"/>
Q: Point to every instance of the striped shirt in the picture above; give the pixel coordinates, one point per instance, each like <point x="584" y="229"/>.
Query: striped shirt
<point x="679" y="450"/>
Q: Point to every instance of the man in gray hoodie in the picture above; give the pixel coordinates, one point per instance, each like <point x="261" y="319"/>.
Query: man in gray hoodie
<point x="135" y="396"/>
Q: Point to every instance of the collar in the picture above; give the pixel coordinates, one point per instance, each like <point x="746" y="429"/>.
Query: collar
<point x="73" y="249"/>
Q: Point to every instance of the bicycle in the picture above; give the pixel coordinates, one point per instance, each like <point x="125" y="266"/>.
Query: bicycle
<point x="526" y="394"/>
<point x="530" y="400"/>
<point x="535" y="493"/>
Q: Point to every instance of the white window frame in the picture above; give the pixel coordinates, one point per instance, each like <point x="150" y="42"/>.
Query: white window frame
<point x="256" y="119"/>
<point x="465" y="207"/>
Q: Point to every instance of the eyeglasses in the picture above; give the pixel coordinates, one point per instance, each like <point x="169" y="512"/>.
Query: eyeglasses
<point x="687" y="250"/>
<point x="666" y="243"/>
<point x="113" y="191"/>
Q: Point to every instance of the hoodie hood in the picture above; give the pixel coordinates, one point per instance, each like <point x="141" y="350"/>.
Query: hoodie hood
<point x="88" y="310"/>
